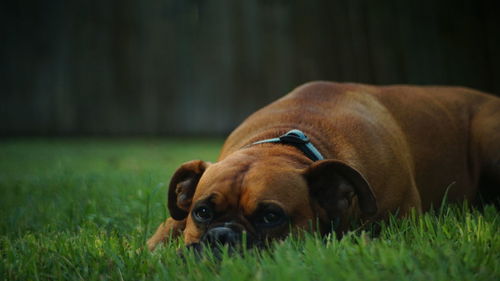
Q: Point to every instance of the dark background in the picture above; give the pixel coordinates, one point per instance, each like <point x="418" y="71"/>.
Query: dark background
<point x="186" y="67"/>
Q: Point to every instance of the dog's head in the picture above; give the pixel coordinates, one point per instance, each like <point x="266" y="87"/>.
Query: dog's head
<point x="257" y="199"/>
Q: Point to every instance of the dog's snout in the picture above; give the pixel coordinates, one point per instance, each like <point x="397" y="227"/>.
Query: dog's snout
<point x="222" y="235"/>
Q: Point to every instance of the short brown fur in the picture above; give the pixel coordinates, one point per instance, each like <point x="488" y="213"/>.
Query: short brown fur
<point x="395" y="148"/>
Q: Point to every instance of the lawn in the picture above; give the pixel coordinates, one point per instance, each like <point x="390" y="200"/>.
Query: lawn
<point x="82" y="209"/>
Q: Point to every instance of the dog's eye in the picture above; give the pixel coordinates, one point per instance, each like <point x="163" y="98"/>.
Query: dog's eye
<point x="203" y="214"/>
<point x="271" y="218"/>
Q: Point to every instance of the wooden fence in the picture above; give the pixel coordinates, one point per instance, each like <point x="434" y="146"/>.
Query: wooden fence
<point x="199" y="67"/>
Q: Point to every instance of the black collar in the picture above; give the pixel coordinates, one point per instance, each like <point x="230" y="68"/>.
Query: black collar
<point x="298" y="139"/>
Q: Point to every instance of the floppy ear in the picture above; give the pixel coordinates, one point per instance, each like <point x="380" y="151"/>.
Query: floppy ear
<point x="333" y="184"/>
<point x="182" y="187"/>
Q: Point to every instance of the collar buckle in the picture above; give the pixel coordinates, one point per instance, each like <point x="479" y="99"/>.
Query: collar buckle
<point x="298" y="139"/>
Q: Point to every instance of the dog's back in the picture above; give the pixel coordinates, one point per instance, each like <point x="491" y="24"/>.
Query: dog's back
<point x="433" y="139"/>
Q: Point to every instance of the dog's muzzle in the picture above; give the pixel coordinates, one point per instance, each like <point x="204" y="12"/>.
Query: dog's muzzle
<point x="232" y="236"/>
<point x="222" y="236"/>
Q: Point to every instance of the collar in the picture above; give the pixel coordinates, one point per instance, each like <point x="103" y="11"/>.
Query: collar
<point x="298" y="139"/>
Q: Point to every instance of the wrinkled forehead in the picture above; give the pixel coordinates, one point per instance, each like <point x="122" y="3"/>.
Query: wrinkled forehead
<point x="244" y="186"/>
<point x="278" y="184"/>
<point x="221" y="183"/>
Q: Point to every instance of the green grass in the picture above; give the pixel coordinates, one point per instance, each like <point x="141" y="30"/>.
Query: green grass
<point x="81" y="209"/>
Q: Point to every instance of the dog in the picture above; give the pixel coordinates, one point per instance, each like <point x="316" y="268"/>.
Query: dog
<point x="333" y="153"/>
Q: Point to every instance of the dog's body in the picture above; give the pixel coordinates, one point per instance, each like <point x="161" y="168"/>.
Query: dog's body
<point x="387" y="149"/>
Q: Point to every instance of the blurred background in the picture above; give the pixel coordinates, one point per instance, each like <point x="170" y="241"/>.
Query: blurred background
<point x="199" y="67"/>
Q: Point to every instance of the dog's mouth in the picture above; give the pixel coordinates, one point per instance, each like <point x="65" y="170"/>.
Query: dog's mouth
<point x="230" y="237"/>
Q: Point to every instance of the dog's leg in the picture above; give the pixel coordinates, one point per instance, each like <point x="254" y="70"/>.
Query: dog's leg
<point x="168" y="230"/>
<point x="486" y="134"/>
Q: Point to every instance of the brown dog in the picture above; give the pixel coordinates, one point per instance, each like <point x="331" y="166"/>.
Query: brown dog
<point x="387" y="149"/>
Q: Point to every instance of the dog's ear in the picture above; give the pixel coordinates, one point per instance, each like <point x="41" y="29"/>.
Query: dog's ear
<point x="182" y="187"/>
<point x="333" y="184"/>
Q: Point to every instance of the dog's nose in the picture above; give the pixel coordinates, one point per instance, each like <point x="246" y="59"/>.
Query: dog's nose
<point x="222" y="235"/>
